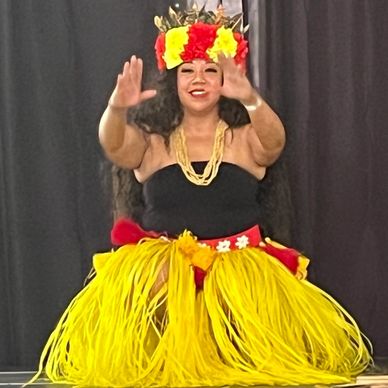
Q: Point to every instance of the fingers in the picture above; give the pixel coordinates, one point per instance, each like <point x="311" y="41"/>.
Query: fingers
<point x="129" y="84"/>
<point x="226" y="63"/>
<point x="147" y="94"/>
<point x="132" y="70"/>
<point x="136" y="69"/>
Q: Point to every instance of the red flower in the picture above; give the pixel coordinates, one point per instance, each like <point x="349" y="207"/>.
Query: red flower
<point x="242" y="49"/>
<point x="160" y="47"/>
<point x="201" y="37"/>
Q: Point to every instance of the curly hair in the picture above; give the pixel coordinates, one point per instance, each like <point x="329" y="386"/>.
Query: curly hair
<point x="161" y="115"/>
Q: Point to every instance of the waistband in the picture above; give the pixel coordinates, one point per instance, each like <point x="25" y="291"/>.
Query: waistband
<point x="126" y="231"/>
<point x="248" y="238"/>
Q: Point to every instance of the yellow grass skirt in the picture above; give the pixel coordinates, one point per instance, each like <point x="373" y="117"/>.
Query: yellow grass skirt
<point x="253" y="323"/>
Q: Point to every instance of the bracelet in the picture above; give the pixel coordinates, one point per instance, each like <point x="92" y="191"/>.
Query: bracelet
<point x="252" y="107"/>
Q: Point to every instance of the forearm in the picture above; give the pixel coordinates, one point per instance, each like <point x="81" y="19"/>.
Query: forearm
<point x="112" y="128"/>
<point x="265" y="123"/>
<point x="123" y="144"/>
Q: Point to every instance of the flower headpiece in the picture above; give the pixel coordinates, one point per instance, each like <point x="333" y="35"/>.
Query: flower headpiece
<point x="199" y="34"/>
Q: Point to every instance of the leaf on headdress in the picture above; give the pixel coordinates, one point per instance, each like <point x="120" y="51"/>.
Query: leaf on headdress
<point x="202" y="14"/>
<point x="236" y="22"/>
<point x="245" y="28"/>
<point x="194" y="6"/>
<point x="181" y="19"/>
<point x="196" y="14"/>
<point x="220" y="14"/>
<point x="173" y="17"/>
<point x="191" y="17"/>
<point x="203" y="8"/>
<point x="209" y="17"/>
<point x="159" y="23"/>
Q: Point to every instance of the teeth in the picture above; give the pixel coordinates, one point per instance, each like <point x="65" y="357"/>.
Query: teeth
<point x="198" y="92"/>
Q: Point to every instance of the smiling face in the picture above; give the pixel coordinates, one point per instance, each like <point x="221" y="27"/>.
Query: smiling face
<point x="199" y="85"/>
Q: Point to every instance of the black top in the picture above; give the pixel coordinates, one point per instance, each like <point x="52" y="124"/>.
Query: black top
<point x="225" y="207"/>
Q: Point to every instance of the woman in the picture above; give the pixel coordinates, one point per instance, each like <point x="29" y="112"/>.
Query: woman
<point x="195" y="296"/>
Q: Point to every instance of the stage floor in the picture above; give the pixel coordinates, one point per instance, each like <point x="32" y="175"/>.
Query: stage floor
<point x="374" y="378"/>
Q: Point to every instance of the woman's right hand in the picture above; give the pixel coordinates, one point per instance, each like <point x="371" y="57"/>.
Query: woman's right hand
<point x="127" y="92"/>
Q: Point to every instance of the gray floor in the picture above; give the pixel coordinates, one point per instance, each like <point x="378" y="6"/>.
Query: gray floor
<point x="376" y="377"/>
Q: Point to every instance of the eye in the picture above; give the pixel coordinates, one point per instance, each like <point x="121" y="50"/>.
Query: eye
<point x="186" y="70"/>
<point x="211" y="70"/>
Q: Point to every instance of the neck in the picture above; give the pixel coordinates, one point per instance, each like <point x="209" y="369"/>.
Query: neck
<point x="200" y="123"/>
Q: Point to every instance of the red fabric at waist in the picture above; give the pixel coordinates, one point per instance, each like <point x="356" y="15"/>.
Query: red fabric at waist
<point x="126" y="231"/>
<point x="248" y="238"/>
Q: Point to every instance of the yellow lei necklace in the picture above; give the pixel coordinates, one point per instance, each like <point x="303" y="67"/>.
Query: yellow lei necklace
<point x="210" y="172"/>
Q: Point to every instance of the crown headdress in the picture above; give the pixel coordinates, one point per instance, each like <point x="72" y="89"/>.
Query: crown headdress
<point x="199" y="34"/>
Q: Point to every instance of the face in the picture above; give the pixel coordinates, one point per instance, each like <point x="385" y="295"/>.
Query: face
<point x="199" y="85"/>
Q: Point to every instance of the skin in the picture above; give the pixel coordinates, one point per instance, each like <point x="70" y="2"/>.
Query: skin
<point x="200" y="84"/>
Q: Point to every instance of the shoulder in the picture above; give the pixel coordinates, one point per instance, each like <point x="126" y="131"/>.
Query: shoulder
<point x="156" y="156"/>
<point x="244" y="143"/>
<point x="238" y="134"/>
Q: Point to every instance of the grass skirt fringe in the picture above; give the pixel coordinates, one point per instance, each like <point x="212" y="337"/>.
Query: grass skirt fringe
<point x="253" y="323"/>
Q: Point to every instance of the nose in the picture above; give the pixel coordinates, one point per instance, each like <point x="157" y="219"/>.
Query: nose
<point x="199" y="78"/>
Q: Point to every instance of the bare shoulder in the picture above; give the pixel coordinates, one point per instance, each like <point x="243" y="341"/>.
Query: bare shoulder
<point x="238" y="150"/>
<point x="157" y="155"/>
<point x="248" y="140"/>
<point x="241" y="139"/>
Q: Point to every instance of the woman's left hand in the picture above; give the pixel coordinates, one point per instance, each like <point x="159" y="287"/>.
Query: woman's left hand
<point x="235" y="83"/>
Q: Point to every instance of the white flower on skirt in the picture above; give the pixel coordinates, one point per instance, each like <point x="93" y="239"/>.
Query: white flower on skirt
<point x="223" y="246"/>
<point x="242" y="242"/>
<point x="202" y="245"/>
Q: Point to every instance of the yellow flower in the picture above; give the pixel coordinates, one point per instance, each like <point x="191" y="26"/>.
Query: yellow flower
<point x="301" y="272"/>
<point x="187" y="243"/>
<point x="224" y="43"/>
<point x="197" y="254"/>
<point x="176" y="38"/>
<point x="203" y="258"/>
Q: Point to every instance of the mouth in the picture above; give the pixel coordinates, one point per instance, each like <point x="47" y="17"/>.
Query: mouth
<point x="198" y="92"/>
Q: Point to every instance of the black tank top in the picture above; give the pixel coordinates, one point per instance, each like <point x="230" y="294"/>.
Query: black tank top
<point x="225" y="207"/>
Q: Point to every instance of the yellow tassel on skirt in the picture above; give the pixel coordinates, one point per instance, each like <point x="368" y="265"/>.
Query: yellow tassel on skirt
<point x="254" y="322"/>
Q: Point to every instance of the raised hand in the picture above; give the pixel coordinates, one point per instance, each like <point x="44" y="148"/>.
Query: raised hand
<point x="236" y="84"/>
<point x="127" y="92"/>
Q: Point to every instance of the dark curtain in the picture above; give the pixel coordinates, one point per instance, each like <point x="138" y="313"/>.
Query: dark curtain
<point x="324" y="67"/>
<point x="58" y="64"/>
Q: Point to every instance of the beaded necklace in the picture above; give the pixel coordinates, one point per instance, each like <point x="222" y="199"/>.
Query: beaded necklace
<point x="210" y="172"/>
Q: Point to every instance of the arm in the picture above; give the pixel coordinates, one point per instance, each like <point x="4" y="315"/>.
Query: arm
<point x="267" y="135"/>
<point x="268" y="138"/>
<point x="124" y="144"/>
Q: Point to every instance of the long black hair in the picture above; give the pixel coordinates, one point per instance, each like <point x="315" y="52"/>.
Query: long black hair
<point x="161" y="115"/>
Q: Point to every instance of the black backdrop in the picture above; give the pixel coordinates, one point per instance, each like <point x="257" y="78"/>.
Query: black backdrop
<point x="325" y="70"/>
<point x="325" y="67"/>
